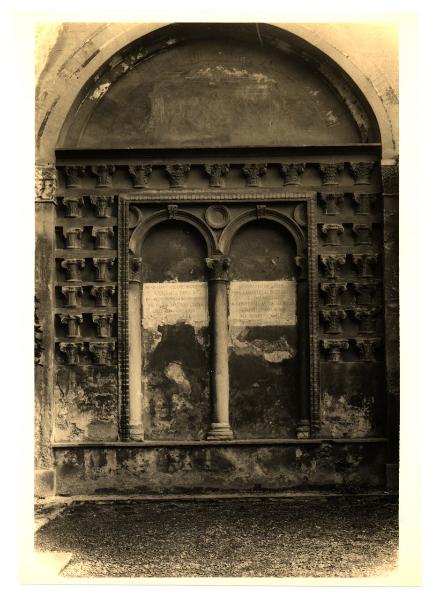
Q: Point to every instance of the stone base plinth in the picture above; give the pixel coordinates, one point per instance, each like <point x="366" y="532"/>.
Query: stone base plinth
<point x="44" y="483"/>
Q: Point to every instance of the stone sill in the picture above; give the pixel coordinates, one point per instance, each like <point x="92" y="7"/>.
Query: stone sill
<point x="249" y="442"/>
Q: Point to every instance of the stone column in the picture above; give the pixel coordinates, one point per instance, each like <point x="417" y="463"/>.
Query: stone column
<point x="218" y="308"/>
<point x="136" y="429"/>
<point x="303" y="425"/>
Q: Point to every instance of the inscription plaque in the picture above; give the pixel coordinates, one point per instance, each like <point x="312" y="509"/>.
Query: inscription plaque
<point x="168" y="303"/>
<point x="262" y="303"/>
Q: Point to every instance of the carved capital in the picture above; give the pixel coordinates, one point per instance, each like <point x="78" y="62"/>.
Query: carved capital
<point x="364" y="203"/>
<point x="367" y="319"/>
<point x="102" y="294"/>
<point x="334" y="348"/>
<point x="102" y="352"/>
<point x="72" y="267"/>
<point x="363" y="263"/>
<point x="73" y="206"/>
<point x="332" y="291"/>
<point x="218" y="268"/>
<point x="135" y="264"/>
<point x="102" y="235"/>
<point x="367" y="347"/>
<point x="103" y="324"/>
<point x="292" y="172"/>
<point x="331" y="203"/>
<point x="71" y="294"/>
<point x="253" y="174"/>
<point x="332" y="233"/>
<point x="390" y="178"/>
<point x="73" y="175"/>
<point x="331" y="264"/>
<point x="333" y="318"/>
<point x="72" y="351"/>
<point x="177" y="174"/>
<point x="73" y="324"/>
<point x="362" y="233"/>
<point x="362" y="172"/>
<point x="101" y="204"/>
<point x="102" y="265"/>
<point x="330" y="173"/>
<point x="364" y="292"/>
<point x="45" y="184"/>
<point x="72" y="236"/>
<point x="140" y="175"/>
<point x="216" y="174"/>
<point x="104" y="174"/>
<point x="172" y="210"/>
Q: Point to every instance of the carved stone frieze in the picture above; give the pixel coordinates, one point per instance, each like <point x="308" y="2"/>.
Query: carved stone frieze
<point x="332" y="292"/>
<point x="330" y="173"/>
<point x="364" y="203"/>
<point x="102" y="294"/>
<point x="104" y="174"/>
<point x="102" y="204"/>
<point x="73" y="206"/>
<point x="364" y="292"/>
<point x="72" y="321"/>
<point x="292" y="172"/>
<point x="45" y="184"/>
<point x="331" y="264"/>
<point x="218" y="268"/>
<point x="253" y="174"/>
<point x="333" y="318"/>
<point x="72" y="266"/>
<point x="102" y="266"/>
<point x="72" y="236"/>
<point x="140" y="175"/>
<point x="177" y="174"/>
<point x="367" y="347"/>
<point x="103" y="324"/>
<point x="334" y="348"/>
<point x="102" y="236"/>
<point x="72" y="295"/>
<point x="332" y="233"/>
<point x="73" y="175"/>
<point x="331" y="203"/>
<point x="216" y="173"/>
<point x="102" y="352"/>
<point x="362" y="233"/>
<point x="364" y="263"/>
<point x="362" y="172"/>
<point x="72" y="351"/>
<point x="366" y="318"/>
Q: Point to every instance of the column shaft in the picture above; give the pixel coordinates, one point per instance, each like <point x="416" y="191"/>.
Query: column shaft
<point x="135" y="362"/>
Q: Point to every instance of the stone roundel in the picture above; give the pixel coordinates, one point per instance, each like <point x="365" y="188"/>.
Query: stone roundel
<point x="217" y="216"/>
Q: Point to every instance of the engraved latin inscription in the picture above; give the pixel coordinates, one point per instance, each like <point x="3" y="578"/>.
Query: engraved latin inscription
<point x="262" y="303"/>
<point x="175" y="302"/>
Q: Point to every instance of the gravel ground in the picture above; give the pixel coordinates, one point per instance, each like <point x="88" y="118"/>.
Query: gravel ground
<point x="324" y="537"/>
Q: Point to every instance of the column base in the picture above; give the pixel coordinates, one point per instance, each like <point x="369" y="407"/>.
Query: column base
<point x="220" y="431"/>
<point x="136" y="433"/>
<point x="303" y="430"/>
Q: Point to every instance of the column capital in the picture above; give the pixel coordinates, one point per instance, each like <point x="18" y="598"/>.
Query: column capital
<point x="216" y="173"/>
<point x="253" y="173"/>
<point x="177" y="174"/>
<point x="218" y="267"/>
<point x="101" y="203"/>
<point x="140" y="175"/>
<point x="45" y="184"/>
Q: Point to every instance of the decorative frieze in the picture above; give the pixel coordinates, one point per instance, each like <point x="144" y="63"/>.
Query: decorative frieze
<point x="367" y="347"/>
<point x="364" y="263"/>
<point x="135" y="265"/>
<point x="330" y="173"/>
<point x="72" y="267"/>
<point x="366" y="318"/>
<point x="362" y="172"/>
<point x="362" y="233"/>
<point x="72" y="323"/>
<point x="218" y="268"/>
<point x="331" y="203"/>
<point x="253" y="174"/>
<point x="45" y="184"/>
<point x="73" y="175"/>
<point x="72" y="295"/>
<point x="334" y="348"/>
<point x="103" y="324"/>
<point x="177" y="174"/>
<point x="102" y="204"/>
<point x="104" y="174"/>
<point x="72" y="236"/>
<point x="292" y="172"/>
<point x="332" y="233"/>
<point x="364" y="203"/>
<point x="102" y="266"/>
<point x="102" y="352"/>
<point x="73" y="206"/>
<point x="140" y="175"/>
<point x="364" y="292"/>
<point x="331" y="264"/>
<point x="102" y="294"/>
<point x="333" y="318"/>
<point x="72" y="351"/>
<point x="102" y="237"/>
<point x="332" y="291"/>
<point x="217" y="173"/>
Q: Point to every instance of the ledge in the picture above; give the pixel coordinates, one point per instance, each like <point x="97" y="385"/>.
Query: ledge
<point x="251" y="442"/>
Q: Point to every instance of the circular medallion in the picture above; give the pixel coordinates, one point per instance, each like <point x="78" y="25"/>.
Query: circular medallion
<point x="300" y="215"/>
<point x="217" y="216"/>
